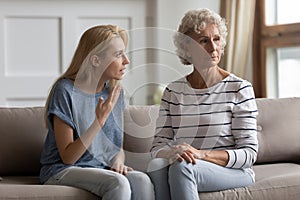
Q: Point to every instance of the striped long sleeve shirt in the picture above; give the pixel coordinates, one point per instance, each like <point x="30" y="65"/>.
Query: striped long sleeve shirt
<point x="222" y="117"/>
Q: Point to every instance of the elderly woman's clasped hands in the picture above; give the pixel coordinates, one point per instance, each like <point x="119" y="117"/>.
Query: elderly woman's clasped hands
<point x="183" y="152"/>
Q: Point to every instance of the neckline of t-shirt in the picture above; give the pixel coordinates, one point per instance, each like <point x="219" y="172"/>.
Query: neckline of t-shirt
<point x="209" y="88"/>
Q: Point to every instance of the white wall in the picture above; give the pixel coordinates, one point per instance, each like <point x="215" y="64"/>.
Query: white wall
<point x="38" y="39"/>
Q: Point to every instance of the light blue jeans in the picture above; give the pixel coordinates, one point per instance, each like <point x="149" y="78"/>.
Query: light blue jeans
<point x="106" y="183"/>
<point x="183" y="181"/>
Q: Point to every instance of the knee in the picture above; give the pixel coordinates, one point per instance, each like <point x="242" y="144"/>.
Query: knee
<point x="120" y="183"/>
<point x="157" y="164"/>
<point x="138" y="178"/>
<point x="141" y="185"/>
<point x="178" y="169"/>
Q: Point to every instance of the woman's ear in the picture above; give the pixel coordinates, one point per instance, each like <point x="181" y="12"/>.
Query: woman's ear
<point x="95" y="60"/>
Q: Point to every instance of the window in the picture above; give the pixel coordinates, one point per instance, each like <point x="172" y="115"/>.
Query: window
<point x="281" y="12"/>
<point x="276" y="49"/>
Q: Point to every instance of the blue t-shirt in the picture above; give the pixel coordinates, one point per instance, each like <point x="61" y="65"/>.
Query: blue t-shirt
<point x="77" y="109"/>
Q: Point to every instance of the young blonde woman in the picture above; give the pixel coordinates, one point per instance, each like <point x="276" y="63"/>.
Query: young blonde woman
<point x="84" y="111"/>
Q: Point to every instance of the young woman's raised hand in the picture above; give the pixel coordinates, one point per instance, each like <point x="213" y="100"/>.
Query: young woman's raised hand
<point x="103" y="109"/>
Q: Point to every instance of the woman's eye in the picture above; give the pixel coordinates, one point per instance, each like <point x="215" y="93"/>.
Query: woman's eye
<point x="118" y="55"/>
<point x="203" y="41"/>
<point x="217" y="39"/>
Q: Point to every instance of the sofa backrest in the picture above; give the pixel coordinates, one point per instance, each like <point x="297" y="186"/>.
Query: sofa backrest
<point x="139" y="130"/>
<point x="22" y="134"/>
<point x="278" y="125"/>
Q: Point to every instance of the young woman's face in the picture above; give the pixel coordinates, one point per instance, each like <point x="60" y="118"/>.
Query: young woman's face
<point x="116" y="60"/>
<point x="206" y="50"/>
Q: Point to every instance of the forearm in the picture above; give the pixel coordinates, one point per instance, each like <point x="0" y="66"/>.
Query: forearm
<point x="73" y="151"/>
<point x="218" y="157"/>
<point x="181" y="151"/>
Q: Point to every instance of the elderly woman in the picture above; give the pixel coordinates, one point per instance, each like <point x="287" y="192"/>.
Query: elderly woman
<point x="206" y="136"/>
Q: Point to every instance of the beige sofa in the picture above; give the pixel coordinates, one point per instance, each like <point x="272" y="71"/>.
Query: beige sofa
<point x="22" y="133"/>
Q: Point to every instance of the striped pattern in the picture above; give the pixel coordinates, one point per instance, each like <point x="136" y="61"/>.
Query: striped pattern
<point x="222" y="117"/>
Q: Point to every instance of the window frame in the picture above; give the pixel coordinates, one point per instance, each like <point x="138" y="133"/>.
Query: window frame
<point x="264" y="37"/>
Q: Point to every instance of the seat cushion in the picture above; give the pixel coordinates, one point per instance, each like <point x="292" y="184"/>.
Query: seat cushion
<point x="273" y="182"/>
<point x="28" y="188"/>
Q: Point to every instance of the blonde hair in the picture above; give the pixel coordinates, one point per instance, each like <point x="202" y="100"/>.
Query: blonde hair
<point x="94" y="40"/>
<point x="196" y="21"/>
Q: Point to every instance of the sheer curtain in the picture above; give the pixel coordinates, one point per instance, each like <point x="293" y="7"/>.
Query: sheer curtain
<point x="238" y="52"/>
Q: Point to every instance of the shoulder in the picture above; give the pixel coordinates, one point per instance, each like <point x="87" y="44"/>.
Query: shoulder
<point x="179" y="83"/>
<point x="237" y="81"/>
<point x="62" y="89"/>
<point x="235" y="78"/>
<point x="175" y="89"/>
<point x="63" y="86"/>
<point x="243" y="88"/>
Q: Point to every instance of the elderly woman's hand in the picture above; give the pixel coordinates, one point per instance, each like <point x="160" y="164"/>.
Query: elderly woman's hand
<point x="180" y="152"/>
<point x="183" y="152"/>
<point x="188" y="153"/>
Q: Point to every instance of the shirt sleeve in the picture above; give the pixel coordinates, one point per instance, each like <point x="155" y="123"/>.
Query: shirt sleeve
<point x="244" y="129"/>
<point x="164" y="133"/>
<point x="60" y="104"/>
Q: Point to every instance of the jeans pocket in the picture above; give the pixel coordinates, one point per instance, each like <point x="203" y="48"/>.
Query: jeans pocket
<point x="55" y="179"/>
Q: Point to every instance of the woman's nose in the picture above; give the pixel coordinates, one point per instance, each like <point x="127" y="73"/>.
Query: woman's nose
<point x="212" y="46"/>
<point x="125" y="59"/>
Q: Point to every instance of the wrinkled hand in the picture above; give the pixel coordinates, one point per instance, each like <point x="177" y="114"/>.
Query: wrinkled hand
<point x="103" y="109"/>
<point x="120" y="168"/>
<point x="183" y="152"/>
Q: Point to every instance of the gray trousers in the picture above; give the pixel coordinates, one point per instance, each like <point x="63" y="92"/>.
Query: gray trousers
<point x="106" y="183"/>
<point x="183" y="181"/>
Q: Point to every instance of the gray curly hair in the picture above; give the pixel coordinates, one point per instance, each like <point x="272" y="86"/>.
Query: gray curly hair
<point x="196" y="21"/>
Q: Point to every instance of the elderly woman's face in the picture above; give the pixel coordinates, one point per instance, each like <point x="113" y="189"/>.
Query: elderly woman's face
<point x="206" y="50"/>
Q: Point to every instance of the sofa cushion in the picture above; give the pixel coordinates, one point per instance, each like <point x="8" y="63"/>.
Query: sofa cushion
<point x="278" y="125"/>
<point x="22" y="134"/>
<point x="273" y="181"/>
<point x="28" y="187"/>
<point x="139" y="128"/>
